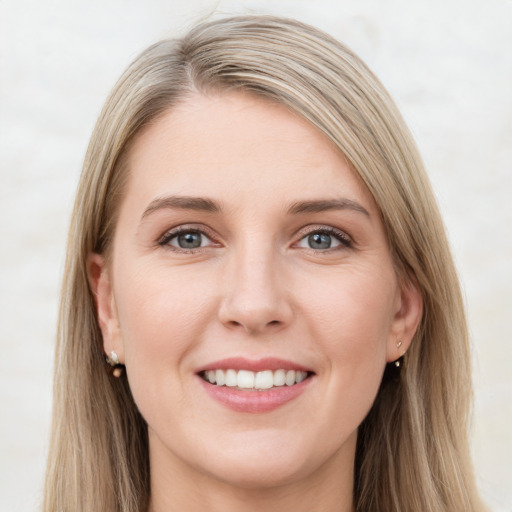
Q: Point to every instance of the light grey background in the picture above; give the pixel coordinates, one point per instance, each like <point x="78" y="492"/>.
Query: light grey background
<point x="448" y="63"/>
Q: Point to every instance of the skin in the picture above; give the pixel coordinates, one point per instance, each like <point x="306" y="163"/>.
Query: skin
<point x="256" y="288"/>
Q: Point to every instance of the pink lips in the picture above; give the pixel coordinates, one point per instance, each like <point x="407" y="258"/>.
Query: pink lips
<point x="254" y="401"/>
<point x="241" y="363"/>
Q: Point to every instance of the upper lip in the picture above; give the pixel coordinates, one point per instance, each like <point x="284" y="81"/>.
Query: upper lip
<point x="255" y="365"/>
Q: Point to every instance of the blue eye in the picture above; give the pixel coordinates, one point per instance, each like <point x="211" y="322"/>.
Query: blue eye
<point x="320" y="241"/>
<point x="186" y="239"/>
<point x="189" y="240"/>
<point x="323" y="240"/>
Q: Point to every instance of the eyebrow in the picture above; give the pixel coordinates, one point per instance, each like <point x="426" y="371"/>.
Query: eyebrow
<point x="208" y="205"/>
<point x="182" y="203"/>
<point x="325" y="205"/>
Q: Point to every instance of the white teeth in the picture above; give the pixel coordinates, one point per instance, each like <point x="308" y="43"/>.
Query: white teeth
<point x="264" y="380"/>
<point x="290" y="378"/>
<point x="279" y="378"/>
<point x="219" y="377"/>
<point x="245" y="379"/>
<point x="299" y="377"/>
<point x="231" y="379"/>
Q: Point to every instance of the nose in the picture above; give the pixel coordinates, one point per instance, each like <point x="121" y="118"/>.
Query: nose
<point x="255" y="298"/>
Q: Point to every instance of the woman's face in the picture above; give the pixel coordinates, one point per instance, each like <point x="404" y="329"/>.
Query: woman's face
<point x="249" y="254"/>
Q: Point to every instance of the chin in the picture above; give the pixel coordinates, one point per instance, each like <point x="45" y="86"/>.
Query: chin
<point x="263" y="461"/>
<point x="259" y="473"/>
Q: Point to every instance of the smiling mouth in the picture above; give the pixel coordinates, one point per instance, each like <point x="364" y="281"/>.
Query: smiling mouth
<point x="247" y="380"/>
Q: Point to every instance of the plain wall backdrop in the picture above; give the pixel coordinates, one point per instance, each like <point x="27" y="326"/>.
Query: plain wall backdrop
<point x="447" y="63"/>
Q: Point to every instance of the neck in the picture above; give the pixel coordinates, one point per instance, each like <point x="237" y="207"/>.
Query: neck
<point x="177" y="487"/>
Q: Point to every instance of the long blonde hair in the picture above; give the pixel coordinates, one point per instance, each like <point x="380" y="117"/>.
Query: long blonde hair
<point x="412" y="452"/>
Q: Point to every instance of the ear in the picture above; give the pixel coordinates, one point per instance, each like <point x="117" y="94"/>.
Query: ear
<point x="106" y="312"/>
<point x="408" y="313"/>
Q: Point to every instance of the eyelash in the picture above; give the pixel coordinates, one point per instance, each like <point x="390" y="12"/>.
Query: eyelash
<point x="345" y="241"/>
<point x="340" y="236"/>
<point x="164" y="241"/>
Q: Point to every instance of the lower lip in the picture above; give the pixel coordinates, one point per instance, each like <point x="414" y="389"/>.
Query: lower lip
<point x="253" y="401"/>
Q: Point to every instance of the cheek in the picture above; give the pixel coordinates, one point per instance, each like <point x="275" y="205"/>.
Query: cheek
<point x="162" y="313"/>
<point x="350" y="320"/>
<point x="353" y="308"/>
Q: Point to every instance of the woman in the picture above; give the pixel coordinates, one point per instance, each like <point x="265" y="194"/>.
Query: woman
<point x="256" y="251"/>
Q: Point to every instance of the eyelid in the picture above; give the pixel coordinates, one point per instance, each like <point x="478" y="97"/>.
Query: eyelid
<point x="345" y="240"/>
<point x="341" y="236"/>
<point x="171" y="233"/>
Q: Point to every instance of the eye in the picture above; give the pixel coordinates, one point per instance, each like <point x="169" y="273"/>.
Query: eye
<point x="190" y="240"/>
<point x="186" y="239"/>
<point x="324" y="239"/>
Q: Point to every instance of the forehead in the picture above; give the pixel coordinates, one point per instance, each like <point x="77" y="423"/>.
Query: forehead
<point x="237" y="146"/>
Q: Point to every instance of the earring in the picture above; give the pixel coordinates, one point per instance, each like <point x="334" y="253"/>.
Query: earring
<point x="113" y="360"/>
<point x="397" y="362"/>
